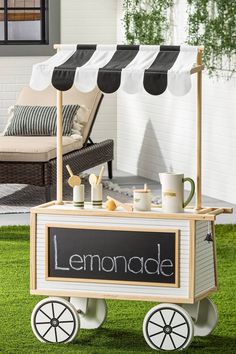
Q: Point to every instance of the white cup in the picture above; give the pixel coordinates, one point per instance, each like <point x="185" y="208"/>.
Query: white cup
<point x="142" y="200"/>
<point x="96" y="195"/>
<point x="78" y="196"/>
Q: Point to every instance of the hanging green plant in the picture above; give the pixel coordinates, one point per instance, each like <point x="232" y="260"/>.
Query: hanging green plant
<point x="212" y="23"/>
<point x="146" y="21"/>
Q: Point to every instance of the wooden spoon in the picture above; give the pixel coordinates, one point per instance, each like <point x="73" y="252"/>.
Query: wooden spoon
<point x="73" y="180"/>
<point x="127" y="207"/>
<point x="93" y="179"/>
<point x="99" y="180"/>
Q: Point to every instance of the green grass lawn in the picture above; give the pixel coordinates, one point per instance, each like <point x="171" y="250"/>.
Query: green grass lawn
<point x="122" y="333"/>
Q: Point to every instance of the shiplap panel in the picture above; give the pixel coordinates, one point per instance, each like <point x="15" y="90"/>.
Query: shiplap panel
<point x="183" y="226"/>
<point x="205" y="272"/>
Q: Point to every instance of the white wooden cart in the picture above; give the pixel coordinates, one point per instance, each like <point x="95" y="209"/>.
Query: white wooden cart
<point x="179" y="274"/>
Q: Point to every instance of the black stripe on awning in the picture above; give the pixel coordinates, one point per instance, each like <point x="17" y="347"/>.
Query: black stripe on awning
<point x="63" y="75"/>
<point x="109" y="77"/>
<point x="155" y="77"/>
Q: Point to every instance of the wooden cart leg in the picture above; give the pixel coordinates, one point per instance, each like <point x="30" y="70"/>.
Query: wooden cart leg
<point x="110" y="173"/>
<point x="59" y="150"/>
<point x="199" y="135"/>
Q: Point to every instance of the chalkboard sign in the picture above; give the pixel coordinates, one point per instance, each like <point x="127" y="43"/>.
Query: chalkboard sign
<point x="100" y="254"/>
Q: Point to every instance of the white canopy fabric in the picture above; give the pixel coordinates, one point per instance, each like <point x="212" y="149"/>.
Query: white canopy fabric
<point x="131" y="68"/>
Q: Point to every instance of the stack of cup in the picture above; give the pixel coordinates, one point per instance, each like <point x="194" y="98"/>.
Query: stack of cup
<point x="78" y="196"/>
<point x="78" y="189"/>
<point x="96" y="189"/>
<point x="96" y="195"/>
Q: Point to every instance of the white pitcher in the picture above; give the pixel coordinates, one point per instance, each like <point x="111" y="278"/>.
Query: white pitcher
<point x="173" y="192"/>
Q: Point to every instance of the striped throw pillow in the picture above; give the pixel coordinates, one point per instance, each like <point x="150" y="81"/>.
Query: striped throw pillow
<point x="40" y="120"/>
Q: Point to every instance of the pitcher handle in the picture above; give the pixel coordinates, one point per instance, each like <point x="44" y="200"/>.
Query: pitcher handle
<point x="192" y="191"/>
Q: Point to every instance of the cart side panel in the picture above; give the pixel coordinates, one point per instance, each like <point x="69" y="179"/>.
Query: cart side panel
<point x="205" y="260"/>
<point x="103" y="290"/>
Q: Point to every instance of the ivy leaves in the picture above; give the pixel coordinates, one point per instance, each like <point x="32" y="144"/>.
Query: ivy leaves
<point x="145" y="21"/>
<point x="212" y="23"/>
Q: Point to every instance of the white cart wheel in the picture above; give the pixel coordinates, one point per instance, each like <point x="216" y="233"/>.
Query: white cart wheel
<point x="168" y="327"/>
<point x="206" y="319"/>
<point x="55" y="320"/>
<point x="92" y="312"/>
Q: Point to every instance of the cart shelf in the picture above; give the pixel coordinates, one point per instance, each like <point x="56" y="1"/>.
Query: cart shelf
<point x="205" y="213"/>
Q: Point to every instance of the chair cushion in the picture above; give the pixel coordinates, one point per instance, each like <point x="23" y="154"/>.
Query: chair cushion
<point x="40" y="120"/>
<point x="34" y="149"/>
<point x="88" y="103"/>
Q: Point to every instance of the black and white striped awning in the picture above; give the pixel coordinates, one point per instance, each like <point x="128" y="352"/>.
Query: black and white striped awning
<point x="132" y="68"/>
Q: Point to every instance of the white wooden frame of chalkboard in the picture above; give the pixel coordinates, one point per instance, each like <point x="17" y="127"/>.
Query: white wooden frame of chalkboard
<point x="176" y="232"/>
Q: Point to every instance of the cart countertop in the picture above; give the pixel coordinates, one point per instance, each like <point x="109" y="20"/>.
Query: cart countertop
<point x="205" y="213"/>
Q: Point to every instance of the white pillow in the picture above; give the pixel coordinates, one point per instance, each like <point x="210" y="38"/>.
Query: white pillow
<point x="80" y="120"/>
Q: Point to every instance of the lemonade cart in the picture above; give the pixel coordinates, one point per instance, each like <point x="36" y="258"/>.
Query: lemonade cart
<point x="80" y="258"/>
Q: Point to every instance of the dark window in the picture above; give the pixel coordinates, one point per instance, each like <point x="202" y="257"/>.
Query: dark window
<point x="24" y="22"/>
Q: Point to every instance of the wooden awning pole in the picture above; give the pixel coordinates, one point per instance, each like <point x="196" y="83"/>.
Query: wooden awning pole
<point x="59" y="150"/>
<point x="199" y="134"/>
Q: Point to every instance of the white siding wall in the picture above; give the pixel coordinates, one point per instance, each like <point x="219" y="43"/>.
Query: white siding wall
<point x="156" y="134"/>
<point x="93" y="21"/>
<point x="88" y="21"/>
<point x="205" y="271"/>
<point x="14" y="75"/>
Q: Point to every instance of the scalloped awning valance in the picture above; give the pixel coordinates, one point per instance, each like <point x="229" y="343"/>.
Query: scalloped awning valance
<point x="132" y="68"/>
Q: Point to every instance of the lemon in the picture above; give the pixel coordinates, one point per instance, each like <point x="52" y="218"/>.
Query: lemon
<point x="110" y="205"/>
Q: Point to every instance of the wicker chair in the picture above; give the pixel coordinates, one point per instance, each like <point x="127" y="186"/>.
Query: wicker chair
<point x="43" y="173"/>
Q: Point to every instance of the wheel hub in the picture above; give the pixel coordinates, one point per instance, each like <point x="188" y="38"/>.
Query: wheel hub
<point x="54" y="322"/>
<point x="167" y="329"/>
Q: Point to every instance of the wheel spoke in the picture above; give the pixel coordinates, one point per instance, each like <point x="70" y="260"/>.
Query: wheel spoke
<point x="66" y="321"/>
<point x="181" y="324"/>
<point x="47" y="331"/>
<point x="37" y="323"/>
<point x="61" y="313"/>
<point x="155" y="334"/>
<point x="45" y="314"/>
<point x="163" y="341"/>
<point x="53" y="312"/>
<point x="180" y="335"/>
<point x="55" y="330"/>
<point x="155" y="324"/>
<point x="163" y="318"/>
<point x="172" y="341"/>
<point x="172" y="318"/>
<point x="63" y="330"/>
